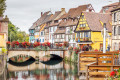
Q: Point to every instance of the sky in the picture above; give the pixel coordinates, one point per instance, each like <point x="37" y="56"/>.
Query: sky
<point x="23" y="13"/>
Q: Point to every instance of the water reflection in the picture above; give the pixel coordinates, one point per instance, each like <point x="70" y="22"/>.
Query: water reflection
<point x="40" y="71"/>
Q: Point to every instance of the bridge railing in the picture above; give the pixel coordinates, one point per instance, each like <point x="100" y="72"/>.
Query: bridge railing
<point x="31" y="47"/>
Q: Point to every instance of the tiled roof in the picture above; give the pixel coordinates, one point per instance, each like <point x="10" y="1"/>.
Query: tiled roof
<point x="40" y="21"/>
<point x="58" y="31"/>
<point x="54" y="16"/>
<point x="79" y="10"/>
<point x="75" y="12"/>
<point x="113" y="4"/>
<point x="116" y="8"/>
<point x="62" y="23"/>
<point x="72" y="13"/>
<point x="109" y="7"/>
<point x="93" y="19"/>
<point x="54" y="24"/>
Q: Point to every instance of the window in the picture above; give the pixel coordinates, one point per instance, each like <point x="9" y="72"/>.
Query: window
<point x="114" y="30"/>
<point x="87" y="34"/>
<point x="82" y="16"/>
<point x="40" y="40"/>
<point x="42" y="34"/>
<point x="56" y="21"/>
<point x="57" y="36"/>
<point x="78" y="35"/>
<point x="82" y="25"/>
<point x="63" y="35"/>
<point x="115" y="17"/>
<point x="43" y="40"/>
<point x="119" y="30"/>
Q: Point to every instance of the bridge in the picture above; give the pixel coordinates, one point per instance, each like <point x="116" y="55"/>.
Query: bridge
<point x="34" y="54"/>
<point x="34" y="66"/>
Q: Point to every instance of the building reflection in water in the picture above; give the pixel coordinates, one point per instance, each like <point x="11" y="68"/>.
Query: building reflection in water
<point x="40" y="71"/>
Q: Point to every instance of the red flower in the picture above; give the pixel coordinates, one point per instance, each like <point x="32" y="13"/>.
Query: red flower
<point x="15" y="43"/>
<point x="36" y="44"/>
<point x="59" y="45"/>
<point x="8" y="42"/>
<point x="96" y="50"/>
<point x="113" y="73"/>
<point x="76" y="50"/>
<point x="70" y="48"/>
<point x="46" y="44"/>
<point x="65" y="44"/>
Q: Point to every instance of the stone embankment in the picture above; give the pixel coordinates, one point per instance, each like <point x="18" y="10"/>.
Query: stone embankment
<point x="2" y="67"/>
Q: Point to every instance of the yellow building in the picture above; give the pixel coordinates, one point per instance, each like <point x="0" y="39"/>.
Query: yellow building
<point x="2" y="40"/>
<point x="88" y="30"/>
<point x="3" y="31"/>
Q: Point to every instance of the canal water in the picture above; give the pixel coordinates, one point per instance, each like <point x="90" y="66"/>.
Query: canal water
<point x="36" y="70"/>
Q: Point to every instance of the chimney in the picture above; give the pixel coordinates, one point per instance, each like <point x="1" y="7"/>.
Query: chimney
<point x="41" y="13"/>
<point x="62" y="9"/>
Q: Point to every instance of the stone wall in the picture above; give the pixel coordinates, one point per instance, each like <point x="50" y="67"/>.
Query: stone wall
<point x="34" y="54"/>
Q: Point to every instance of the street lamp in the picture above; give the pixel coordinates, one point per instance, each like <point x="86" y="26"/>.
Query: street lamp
<point x="104" y="39"/>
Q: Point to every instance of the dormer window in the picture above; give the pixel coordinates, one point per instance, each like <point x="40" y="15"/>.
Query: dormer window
<point x="82" y="16"/>
<point x="56" y="21"/>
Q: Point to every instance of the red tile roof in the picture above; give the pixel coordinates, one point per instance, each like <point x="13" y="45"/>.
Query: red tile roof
<point x="75" y="12"/>
<point x="58" y="31"/>
<point x="108" y="8"/>
<point x="41" y="20"/>
<point x="93" y="19"/>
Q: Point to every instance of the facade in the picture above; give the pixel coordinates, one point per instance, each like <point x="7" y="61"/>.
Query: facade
<point x="65" y="32"/>
<point x="116" y="28"/>
<point x="41" y="34"/>
<point x="37" y="33"/>
<point x="3" y="31"/>
<point x="31" y="36"/>
<point x="54" y="24"/>
<point x="88" y="30"/>
<point x="38" y="26"/>
<point x="32" y="33"/>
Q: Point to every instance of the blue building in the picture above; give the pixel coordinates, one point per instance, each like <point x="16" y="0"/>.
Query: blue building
<point x="32" y="34"/>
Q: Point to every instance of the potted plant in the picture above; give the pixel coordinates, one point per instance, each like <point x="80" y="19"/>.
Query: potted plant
<point x="15" y="44"/>
<point x="46" y="46"/>
<point x="65" y="44"/>
<point x="76" y="50"/>
<point x="8" y="44"/>
<point x="76" y="39"/>
<point x="70" y="49"/>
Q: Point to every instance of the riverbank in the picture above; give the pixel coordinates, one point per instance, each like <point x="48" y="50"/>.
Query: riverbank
<point x="2" y="67"/>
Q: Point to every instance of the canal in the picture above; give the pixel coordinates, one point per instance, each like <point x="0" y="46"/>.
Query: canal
<point x="53" y="69"/>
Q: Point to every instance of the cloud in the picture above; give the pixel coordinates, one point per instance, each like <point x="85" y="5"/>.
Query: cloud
<point x="23" y="13"/>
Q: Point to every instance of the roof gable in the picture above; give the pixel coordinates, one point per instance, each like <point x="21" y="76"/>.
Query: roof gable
<point x="94" y="21"/>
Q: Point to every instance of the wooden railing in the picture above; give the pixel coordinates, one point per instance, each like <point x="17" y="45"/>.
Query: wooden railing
<point x="97" y="63"/>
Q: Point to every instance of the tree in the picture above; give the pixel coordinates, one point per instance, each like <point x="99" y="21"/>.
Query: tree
<point x="15" y="34"/>
<point x="2" y="7"/>
<point x="12" y="31"/>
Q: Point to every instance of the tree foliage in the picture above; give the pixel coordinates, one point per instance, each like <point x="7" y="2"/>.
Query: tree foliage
<point x="15" y="34"/>
<point x="2" y="7"/>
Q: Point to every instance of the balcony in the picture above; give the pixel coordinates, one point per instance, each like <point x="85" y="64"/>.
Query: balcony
<point x="86" y="39"/>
